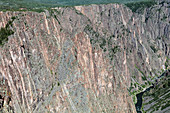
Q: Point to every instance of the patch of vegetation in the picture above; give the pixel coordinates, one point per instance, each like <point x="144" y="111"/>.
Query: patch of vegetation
<point x="23" y="5"/>
<point x="115" y="49"/>
<point x="103" y="43"/>
<point x="140" y="6"/>
<point x="58" y="84"/>
<point x="164" y="18"/>
<point x="55" y="3"/>
<point x="137" y="87"/>
<point x="5" y="97"/>
<point x="39" y="5"/>
<point x="167" y="63"/>
<point x="94" y="39"/>
<point x="39" y="10"/>
<point x="139" y="70"/>
<point x="154" y="49"/>
<point x="51" y="71"/>
<point x="57" y="19"/>
<point x="6" y="31"/>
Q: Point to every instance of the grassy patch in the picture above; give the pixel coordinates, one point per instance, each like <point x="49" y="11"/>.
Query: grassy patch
<point x="140" y="6"/>
<point x="6" y="31"/>
<point x="37" y="5"/>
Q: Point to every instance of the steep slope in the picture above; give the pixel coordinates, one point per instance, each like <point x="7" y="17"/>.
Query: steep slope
<point x="157" y="98"/>
<point x="82" y="58"/>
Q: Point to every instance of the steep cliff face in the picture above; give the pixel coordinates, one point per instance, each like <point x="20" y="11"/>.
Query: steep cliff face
<point x="157" y="98"/>
<point x="82" y="58"/>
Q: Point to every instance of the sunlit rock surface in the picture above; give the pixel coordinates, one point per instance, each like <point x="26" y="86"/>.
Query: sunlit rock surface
<point x="82" y="58"/>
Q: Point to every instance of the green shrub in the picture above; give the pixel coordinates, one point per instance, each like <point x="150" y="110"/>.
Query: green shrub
<point x="6" y="31"/>
<point x="154" y="49"/>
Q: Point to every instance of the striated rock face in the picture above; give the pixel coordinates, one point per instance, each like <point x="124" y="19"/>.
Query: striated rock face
<point x="157" y="98"/>
<point x="81" y="59"/>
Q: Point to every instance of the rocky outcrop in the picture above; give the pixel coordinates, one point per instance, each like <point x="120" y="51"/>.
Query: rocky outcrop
<point x="156" y="99"/>
<point x="82" y="58"/>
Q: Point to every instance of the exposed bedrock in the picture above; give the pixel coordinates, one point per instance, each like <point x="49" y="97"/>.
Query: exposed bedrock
<point x="82" y="58"/>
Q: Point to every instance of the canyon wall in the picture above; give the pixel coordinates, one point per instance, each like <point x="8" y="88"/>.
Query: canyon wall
<point x="82" y="58"/>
